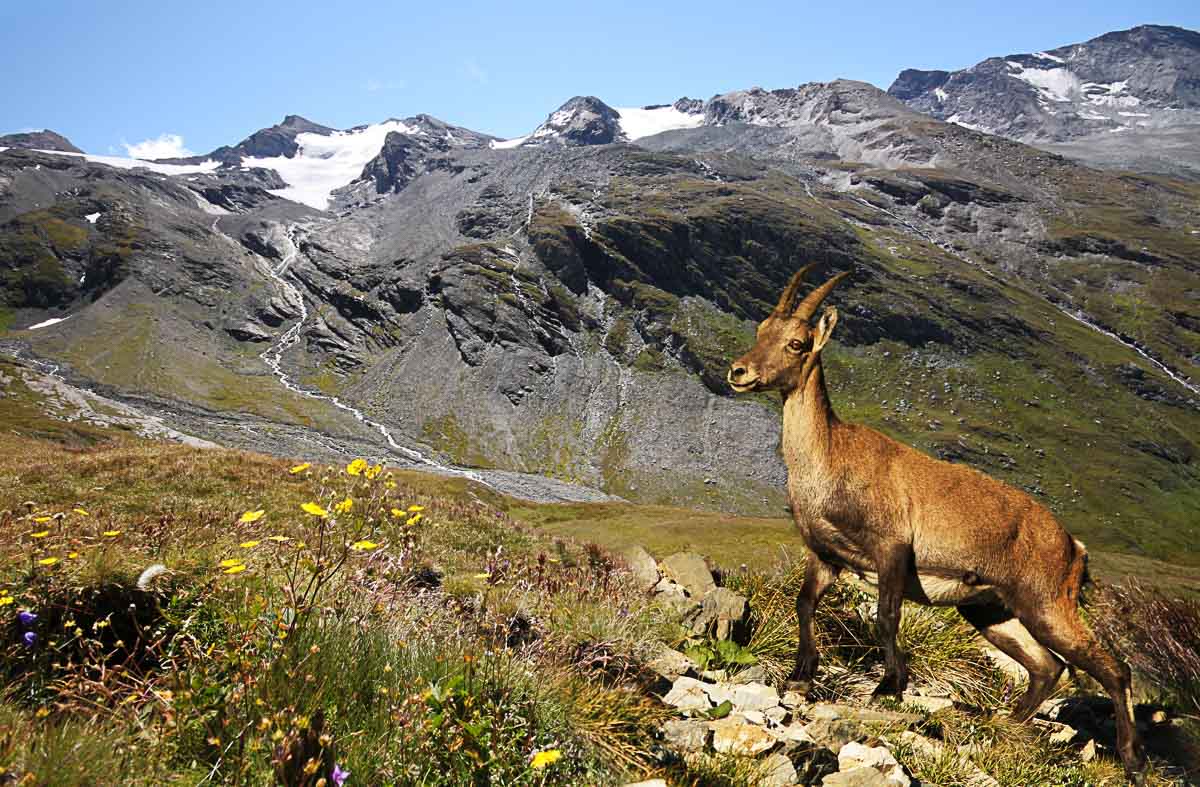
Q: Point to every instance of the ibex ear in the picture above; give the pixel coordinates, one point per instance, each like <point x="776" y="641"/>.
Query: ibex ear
<point x="824" y="328"/>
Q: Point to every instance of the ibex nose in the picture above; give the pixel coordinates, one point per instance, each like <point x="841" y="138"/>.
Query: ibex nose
<point x="737" y="372"/>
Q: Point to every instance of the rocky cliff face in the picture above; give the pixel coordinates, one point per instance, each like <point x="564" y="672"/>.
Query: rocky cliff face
<point x="569" y="308"/>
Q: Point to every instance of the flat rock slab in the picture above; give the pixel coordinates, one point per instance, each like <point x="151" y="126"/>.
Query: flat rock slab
<point x="777" y="771"/>
<point x="684" y="735"/>
<point x="735" y="736"/>
<point x="643" y="568"/>
<point x="823" y="710"/>
<point x="855" y="755"/>
<point x="859" y="777"/>
<point x="930" y="704"/>
<point x="670" y="664"/>
<point x="689" y="570"/>
<point x="688" y="694"/>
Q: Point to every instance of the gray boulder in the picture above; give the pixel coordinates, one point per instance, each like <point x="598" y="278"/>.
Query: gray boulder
<point x="643" y="568"/>
<point x="685" y="736"/>
<point x="721" y="613"/>
<point x="691" y="571"/>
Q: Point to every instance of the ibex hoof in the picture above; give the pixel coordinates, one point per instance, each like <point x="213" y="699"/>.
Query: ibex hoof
<point x="888" y="687"/>
<point x="803" y="687"/>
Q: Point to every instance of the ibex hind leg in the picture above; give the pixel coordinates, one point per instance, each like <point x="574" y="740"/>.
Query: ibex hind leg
<point x="1001" y="628"/>
<point x="1057" y="626"/>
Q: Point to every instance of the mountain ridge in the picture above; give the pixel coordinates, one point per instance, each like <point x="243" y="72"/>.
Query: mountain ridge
<point x="569" y="309"/>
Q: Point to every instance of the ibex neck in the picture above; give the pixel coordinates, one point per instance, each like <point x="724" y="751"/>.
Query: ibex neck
<point x="808" y="422"/>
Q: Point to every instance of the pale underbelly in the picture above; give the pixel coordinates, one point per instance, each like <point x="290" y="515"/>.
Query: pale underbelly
<point x="934" y="589"/>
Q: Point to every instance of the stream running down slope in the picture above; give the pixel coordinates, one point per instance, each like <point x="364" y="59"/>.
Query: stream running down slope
<point x="523" y="485"/>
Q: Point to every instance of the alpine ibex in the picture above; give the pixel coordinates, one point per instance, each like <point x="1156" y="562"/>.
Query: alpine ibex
<point x="922" y="529"/>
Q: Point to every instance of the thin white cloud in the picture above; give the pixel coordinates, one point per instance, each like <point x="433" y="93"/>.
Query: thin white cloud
<point x="376" y="85"/>
<point x="474" y="72"/>
<point x="164" y="146"/>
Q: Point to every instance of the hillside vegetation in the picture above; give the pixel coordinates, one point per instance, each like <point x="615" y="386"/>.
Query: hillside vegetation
<point x="311" y="621"/>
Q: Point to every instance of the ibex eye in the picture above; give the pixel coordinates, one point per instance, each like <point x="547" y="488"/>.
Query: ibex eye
<point x="796" y="345"/>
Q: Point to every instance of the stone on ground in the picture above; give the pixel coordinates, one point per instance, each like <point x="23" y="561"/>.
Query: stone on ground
<point x="643" y="568"/>
<point x="687" y="694"/>
<point x="721" y="613"/>
<point x="736" y="736"/>
<point x="777" y="771"/>
<point x="855" y="755"/>
<point x="670" y="663"/>
<point x="859" y="777"/>
<point x="689" y="570"/>
<point x="684" y="735"/>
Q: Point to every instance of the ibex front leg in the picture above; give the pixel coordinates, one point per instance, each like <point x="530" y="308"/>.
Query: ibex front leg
<point x="819" y="576"/>
<point x="893" y="564"/>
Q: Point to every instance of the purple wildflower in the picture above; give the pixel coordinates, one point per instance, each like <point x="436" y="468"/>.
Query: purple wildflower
<point x="339" y="776"/>
<point x="30" y="639"/>
<point x="26" y="617"/>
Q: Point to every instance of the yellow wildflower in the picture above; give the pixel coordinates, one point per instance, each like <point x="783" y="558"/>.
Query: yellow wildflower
<point x="40" y="534"/>
<point x="484" y="575"/>
<point x="356" y="467"/>
<point x="414" y="509"/>
<point x="41" y="519"/>
<point x="230" y="561"/>
<point x="80" y="511"/>
<point x="47" y="561"/>
<point x="373" y="471"/>
<point x="315" y="510"/>
<point x="544" y="758"/>
<point x="300" y="468"/>
<point x="72" y="555"/>
<point x="111" y="533"/>
<point x="344" y="506"/>
<point x="390" y="484"/>
<point x="251" y="516"/>
<point x="240" y="567"/>
<point x="362" y="546"/>
<point x="248" y="544"/>
<point x="279" y="539"/>
<point x="6" y="600"/>
<point x="398" y="512"/>
<point x="412" y="520"/>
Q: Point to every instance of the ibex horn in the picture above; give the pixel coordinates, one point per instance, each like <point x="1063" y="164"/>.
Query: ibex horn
<point x="808" y="307"/>
<point x="789" y="292"/>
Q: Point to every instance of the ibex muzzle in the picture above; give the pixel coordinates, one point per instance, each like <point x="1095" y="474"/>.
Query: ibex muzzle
<point x="921" y="529"/>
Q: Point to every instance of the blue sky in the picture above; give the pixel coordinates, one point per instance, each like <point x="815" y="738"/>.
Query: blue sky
<point x="212" y="72"/>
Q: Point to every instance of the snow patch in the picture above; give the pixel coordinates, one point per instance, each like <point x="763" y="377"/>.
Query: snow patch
<point x="1109" y="94"/>
<point x="638" y="123"/>
<point x="508" y="143"/>
<point x="324" y="163"/>
<point x="958" y="121"/>
<point x="91" y="217"/>
<point x="1048" y="56"/>
<point x="942" y="95"/>
<point x="1054" y="84"/>
<point x="46" y="323"/>
<point x="120" y="162"/>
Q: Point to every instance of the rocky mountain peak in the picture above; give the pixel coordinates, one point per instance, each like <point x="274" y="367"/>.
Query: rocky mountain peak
<point x="1127" y="80"/>
<point x="583" y="120"/>
<point x="38" y="140"/>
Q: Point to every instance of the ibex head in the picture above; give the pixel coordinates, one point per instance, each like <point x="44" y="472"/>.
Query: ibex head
<point x="787" y="345"/>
